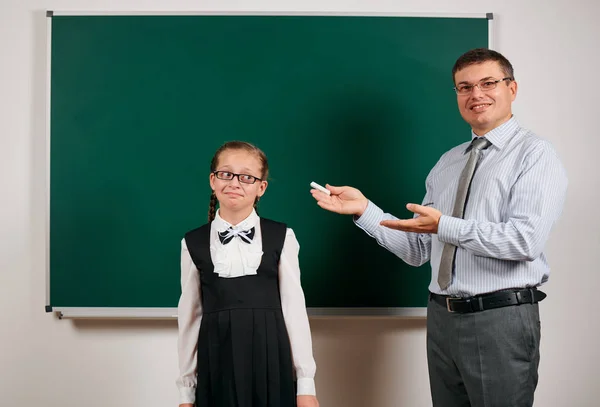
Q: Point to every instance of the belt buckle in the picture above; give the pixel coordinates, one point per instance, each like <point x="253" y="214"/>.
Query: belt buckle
<point x="448" y="304"/>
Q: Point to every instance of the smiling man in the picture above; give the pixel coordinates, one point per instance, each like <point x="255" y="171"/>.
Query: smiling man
<point x="489" y="206"/>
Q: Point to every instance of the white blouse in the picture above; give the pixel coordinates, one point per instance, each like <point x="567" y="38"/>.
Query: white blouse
<point x="237" y="259"/>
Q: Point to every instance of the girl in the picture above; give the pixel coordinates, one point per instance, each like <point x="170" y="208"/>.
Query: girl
<point x="243" y="327"/>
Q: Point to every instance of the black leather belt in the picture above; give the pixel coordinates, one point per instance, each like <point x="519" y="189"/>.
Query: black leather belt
<point x="489" y="301"/>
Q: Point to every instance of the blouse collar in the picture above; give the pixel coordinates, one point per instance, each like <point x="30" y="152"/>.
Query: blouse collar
<point x="222" y="225"/>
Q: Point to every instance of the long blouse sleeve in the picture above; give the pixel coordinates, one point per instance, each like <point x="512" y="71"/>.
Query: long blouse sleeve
<point x="295" y="316"/>
<point x="189" y="317"/>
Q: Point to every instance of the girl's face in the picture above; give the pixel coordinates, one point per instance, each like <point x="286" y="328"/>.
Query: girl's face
<point x="234" y="194"/>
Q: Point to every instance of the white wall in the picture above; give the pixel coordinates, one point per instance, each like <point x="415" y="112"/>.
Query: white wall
<point x="362" y="362"/>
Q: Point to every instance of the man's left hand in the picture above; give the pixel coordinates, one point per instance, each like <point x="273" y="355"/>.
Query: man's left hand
<point x="307" y="401"/>
<point x="426" y="222"/>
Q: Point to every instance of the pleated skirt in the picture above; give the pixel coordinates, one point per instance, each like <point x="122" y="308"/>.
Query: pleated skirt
<point x="245" y="360"/>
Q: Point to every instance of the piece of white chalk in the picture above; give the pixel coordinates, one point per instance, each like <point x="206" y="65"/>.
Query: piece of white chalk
<point x="320" y="188"/>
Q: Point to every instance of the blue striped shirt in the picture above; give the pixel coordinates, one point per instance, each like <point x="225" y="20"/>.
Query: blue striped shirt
<point x="516" y="196"/>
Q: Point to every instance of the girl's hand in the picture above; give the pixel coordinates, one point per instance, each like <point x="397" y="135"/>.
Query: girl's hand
<point x="307" y="401"/>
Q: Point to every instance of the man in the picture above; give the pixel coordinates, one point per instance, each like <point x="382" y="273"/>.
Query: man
<point x="487" y="213"/>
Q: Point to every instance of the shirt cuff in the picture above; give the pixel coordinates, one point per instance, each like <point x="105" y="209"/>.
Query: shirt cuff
<point x="306" y="387"/>
<point x="449" y="229"/>
<point x="370" y="219"/>
<point x="187" y="395"/>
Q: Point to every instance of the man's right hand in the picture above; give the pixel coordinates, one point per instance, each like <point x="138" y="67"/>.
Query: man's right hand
<point x="344" y="200"/>
<point x="186" y="405"/>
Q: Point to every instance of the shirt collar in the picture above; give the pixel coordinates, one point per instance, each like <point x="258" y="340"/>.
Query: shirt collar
<point x="221" y="224"/>
<point x="501" y="134"/>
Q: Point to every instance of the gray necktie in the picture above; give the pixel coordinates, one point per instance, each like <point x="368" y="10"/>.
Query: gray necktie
<point x="449" y="251"/>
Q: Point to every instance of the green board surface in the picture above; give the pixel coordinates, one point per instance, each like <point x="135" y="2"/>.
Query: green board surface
<point x="139" y="104"/>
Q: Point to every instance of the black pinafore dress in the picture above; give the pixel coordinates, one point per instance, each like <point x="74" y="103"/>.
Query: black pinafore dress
<point x="244" y="353"/>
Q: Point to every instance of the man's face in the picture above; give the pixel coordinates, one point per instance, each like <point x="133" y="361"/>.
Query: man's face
<point x="485" y="110"/>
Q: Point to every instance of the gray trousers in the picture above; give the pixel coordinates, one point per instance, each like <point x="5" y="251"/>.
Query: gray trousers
<point x="483" y="359"/>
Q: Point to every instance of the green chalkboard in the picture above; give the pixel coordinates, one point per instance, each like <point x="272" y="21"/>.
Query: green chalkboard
<point x="140" y="103"/>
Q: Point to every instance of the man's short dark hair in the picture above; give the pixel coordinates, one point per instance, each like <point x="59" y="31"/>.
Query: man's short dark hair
<point x="480" y="55"/>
